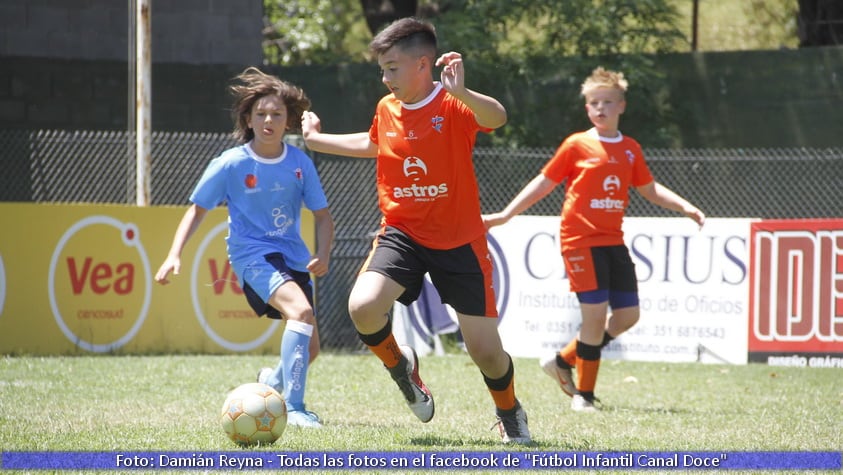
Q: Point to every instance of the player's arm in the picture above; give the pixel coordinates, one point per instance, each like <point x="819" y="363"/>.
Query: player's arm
<point x="349" y="145"/>
<point x="488" y="111"/>
<point x="318" y="264"/>
<point x="534" y="191"/>
<point x="662" y="196"/>
<point x="189" y="223"/>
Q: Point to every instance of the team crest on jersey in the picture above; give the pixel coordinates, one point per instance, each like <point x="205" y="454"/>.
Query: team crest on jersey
<point x="298" y="174"/>
<point x="437" y="122"/>
<point x="630" y="156"/>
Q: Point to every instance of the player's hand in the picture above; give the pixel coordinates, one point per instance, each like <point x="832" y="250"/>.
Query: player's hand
<point x="494" y="219"/>
<point x="310" y="123"/>
<point x="697" y="215"/>
<point x="317" y="266"/>
<point x="170" y="264"/>
<point x="453" y="74"/>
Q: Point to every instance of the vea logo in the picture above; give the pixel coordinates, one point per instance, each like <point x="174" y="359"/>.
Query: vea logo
<point x="99" y="283"/>
<point x="218" y="300"/>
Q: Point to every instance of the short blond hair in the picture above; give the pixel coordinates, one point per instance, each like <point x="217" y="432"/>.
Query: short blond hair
<point x="604" y="78"/>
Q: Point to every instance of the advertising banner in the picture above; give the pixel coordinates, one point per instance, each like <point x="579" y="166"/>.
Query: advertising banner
<point x="78" y="279"/>
<point x="693" y="288"/>
<point x="796" y="300"/>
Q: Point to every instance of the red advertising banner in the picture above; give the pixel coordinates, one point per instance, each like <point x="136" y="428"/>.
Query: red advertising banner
<point x="796" y="292"/>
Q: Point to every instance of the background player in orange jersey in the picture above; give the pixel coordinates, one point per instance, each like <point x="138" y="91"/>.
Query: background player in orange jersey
<point x="600" y="165"/>
<point x="423" y="135"/>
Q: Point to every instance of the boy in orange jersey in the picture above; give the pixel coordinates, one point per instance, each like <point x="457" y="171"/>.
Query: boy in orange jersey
<point x="600" y="165"/>
<point x="422" y="136"/>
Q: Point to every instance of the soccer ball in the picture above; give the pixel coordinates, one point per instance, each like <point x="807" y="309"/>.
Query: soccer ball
<point x="254" y="413"/>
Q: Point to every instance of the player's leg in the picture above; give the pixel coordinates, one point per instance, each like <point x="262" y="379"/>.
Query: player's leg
<point x="623" y="294"/>
<point x="391" y="273"/>
<point x="483" y="343"/>
<point x="593" y="309"/>
<point x="463" y="278"/>
<point x="589" y="273"/>
<point x="295" y="345"/>
<point x="283" y="291"/>
<point x="582" y="277"/>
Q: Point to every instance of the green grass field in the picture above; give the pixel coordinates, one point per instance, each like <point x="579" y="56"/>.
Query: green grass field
<point x="171" y="403"/>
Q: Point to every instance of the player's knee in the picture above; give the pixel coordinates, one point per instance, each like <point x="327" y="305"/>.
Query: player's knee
<point x="300" y="314"/>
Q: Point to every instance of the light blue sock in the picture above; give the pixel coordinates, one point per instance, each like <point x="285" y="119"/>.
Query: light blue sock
<point x="276" y="379"/>
<point x="295" y="359"/>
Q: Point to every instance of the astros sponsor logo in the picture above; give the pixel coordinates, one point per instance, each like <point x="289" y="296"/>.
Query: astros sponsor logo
<point x="100" y="283"/>
<point x="611" y="184"/>
<point x="218" y="300"/>
<point x="416" y="169"/>
<point x="606" y="203"/>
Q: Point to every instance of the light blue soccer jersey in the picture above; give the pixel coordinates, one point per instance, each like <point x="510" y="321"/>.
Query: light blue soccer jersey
<point x="264" y="199"/>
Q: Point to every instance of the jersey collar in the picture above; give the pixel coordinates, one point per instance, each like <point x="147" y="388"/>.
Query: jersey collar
<point x="427" y="100"/>
<point x="592" y="132"/>
<point x="268" y="161"/>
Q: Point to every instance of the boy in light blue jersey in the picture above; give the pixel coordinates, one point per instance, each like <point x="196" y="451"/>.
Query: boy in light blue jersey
<point x="264" y="183"/>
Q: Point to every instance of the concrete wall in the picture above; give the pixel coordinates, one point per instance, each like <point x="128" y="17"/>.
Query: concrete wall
<point x="183" y="31"/>
<point x="63" y="65"/>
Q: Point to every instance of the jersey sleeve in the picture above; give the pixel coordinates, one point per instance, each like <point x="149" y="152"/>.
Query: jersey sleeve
<point x="209" y="191"/>
<point x="641" y="174"/>
<point x="559" y="166"/>
<point x="313" y="194"/>
<point x="469" y="119"/>
<point x="373" y="129"/>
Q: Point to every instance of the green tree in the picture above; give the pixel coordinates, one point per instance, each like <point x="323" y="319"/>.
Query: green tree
<point x="524" y="51"/>
<point x="303" y="32"/>
<point x="535" y="53"/>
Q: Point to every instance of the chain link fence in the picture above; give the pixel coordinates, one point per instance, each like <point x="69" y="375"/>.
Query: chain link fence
<point x="50" y="166"/>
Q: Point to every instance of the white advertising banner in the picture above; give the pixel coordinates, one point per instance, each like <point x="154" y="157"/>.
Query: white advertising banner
<point x="693" y="288"/>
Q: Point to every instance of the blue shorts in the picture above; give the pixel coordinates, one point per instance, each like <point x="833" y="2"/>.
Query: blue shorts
<point x="462" y="275"/>
<point x="264" y="276"/>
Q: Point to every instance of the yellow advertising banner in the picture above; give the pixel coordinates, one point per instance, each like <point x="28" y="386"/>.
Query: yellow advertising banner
<point x="79" y="279"/>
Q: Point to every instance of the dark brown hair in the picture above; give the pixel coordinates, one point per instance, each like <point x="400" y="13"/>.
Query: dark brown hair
<point x="408" y="34"/>
<point x="253" y="84"/>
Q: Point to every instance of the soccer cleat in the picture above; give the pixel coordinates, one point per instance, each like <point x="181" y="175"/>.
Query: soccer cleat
<point x="304" y="418"/>
<point x="563" y="376"/>
<point x="581" y="404"/>
<point x="512" y="425"/>
<point x="416" y="394"/>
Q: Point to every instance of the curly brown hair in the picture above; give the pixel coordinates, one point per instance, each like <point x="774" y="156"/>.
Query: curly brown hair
<point x="253" y="84"/>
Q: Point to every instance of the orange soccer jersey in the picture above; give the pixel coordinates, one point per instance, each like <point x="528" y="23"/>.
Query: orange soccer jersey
<point x="425" y="174"/>
<point x="599" y="173"/>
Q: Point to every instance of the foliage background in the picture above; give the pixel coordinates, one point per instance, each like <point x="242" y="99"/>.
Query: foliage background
<point x="514" y="48"/>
